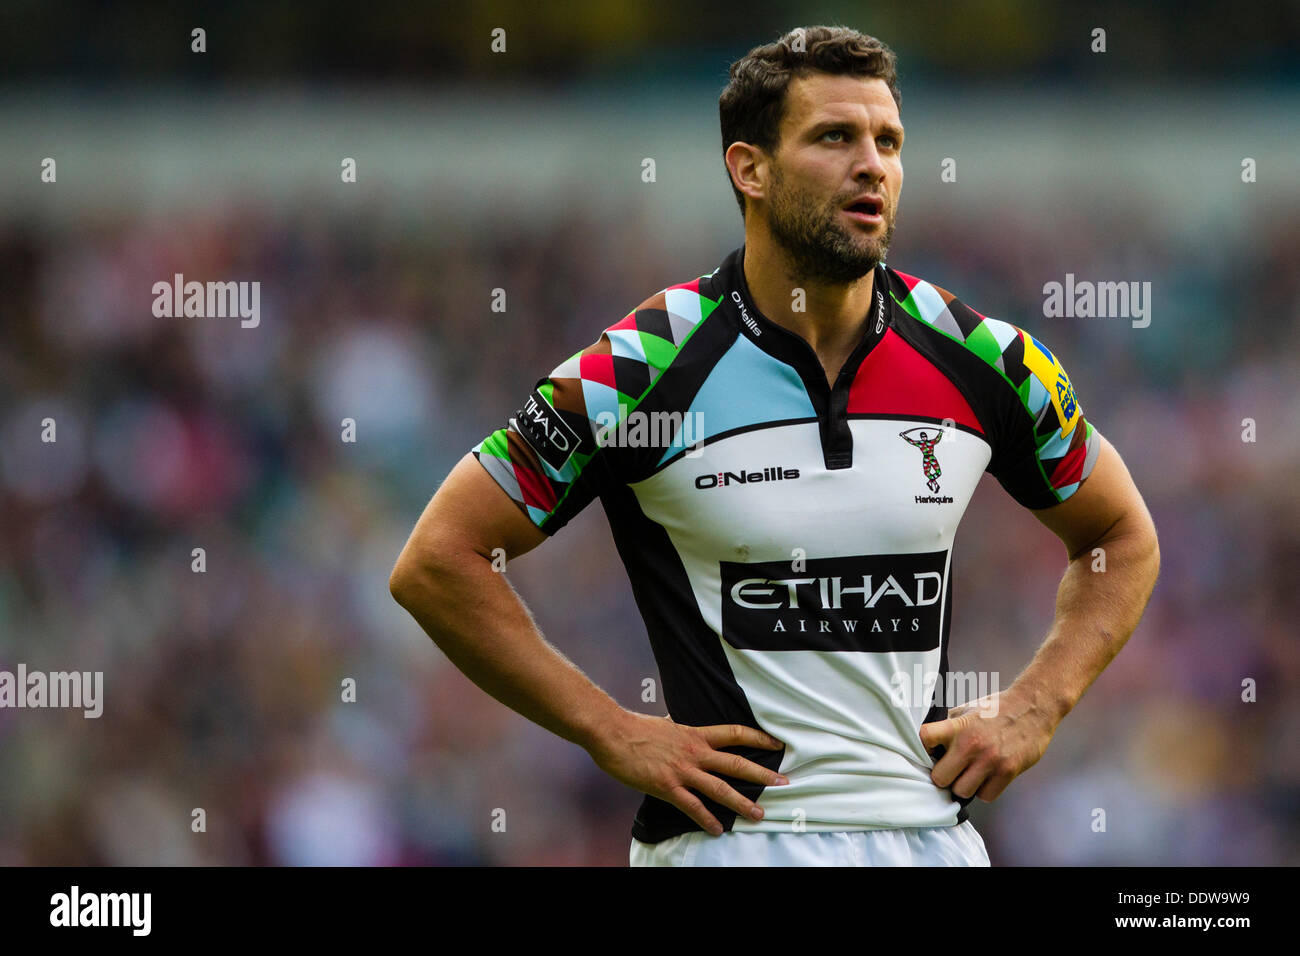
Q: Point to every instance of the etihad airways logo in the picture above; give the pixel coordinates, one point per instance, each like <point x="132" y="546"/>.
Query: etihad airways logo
<point x="780" y="593"/>
<point x="548" y="434"/>
<point x="874" y="603"/>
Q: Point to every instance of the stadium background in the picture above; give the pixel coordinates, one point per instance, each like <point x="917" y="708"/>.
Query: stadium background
<point x="522" y="171"/>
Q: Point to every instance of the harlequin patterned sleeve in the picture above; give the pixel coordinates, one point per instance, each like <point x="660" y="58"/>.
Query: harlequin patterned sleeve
<point x="1042" y="445"/>
<point x="1053" y="447"/>
<point x="553" y="458"/>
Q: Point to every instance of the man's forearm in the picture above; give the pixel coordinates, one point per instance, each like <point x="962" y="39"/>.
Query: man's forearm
<point x="1096" y="612"/>
<point x="475" y="617"/>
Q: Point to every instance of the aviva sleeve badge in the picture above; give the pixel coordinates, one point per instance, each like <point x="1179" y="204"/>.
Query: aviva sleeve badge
<point x="1047" y="369"/>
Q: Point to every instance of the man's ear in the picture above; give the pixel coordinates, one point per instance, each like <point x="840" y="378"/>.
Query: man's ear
<point x="745" y="164"/>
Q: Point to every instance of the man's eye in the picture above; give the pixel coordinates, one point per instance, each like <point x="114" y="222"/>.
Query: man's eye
<point x="893" y="143"/>
<point x="833" y="132"/>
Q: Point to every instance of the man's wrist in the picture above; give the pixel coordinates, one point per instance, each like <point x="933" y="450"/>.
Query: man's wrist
<point x="1046" y="700"/>
<point x="600" y="726"/>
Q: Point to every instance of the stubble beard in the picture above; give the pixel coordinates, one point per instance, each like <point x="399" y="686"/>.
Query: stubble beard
<point x="820" y="247"/>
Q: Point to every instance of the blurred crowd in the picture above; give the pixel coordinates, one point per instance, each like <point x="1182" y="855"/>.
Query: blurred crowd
<point x="226" y="738"/>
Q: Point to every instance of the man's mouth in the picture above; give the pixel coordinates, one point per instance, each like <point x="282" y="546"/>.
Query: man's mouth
<point x="866" y="209"/>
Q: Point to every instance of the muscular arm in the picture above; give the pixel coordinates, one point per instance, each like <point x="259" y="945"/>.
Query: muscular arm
<point x="1096" y="610"/>
<point x="445" y="579"/>
<point x="988" y="743"/>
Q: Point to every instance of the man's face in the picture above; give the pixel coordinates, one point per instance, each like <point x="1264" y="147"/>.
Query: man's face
<point x="836" y="176"/>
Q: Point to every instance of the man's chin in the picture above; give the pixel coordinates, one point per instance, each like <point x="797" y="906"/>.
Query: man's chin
<point x="864" y="259"/>
<point x="841" y="256"/>
<point x="866" y="251"/>
<point x="875" y="253"/>
<point x="844" y="270"/>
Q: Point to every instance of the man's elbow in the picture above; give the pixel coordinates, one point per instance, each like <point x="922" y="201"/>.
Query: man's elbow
<point x="1155" y="555"/>
<point x="400" y="580"/>
<point x="437" y="567"/>
<point x="411" y="578"/>
<point x="1148" y="550"/>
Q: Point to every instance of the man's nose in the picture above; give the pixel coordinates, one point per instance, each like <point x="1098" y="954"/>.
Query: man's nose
<point x="869" y="164"/>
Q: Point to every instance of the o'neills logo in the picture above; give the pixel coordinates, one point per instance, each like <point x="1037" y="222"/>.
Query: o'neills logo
<point x="724" y="478"/>
<point x="744" y="313"/>
<point x="879" y="602"/>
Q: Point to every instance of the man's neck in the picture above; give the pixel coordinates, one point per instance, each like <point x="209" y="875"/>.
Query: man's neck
<point x="834" y="316"/>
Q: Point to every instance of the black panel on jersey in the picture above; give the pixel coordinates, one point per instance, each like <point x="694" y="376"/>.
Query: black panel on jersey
<point x="698" y="684"/>
<point x="632" y="375"/>
<point x="655" y="322"/>
<point x="965" y="317"/>
<point x="1013" y="362"/>
<point x="700" y="689"/>
<point x="939" y="709"/>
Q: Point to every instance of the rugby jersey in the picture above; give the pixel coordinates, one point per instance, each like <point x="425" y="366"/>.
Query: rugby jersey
<point x="789" y="542"/>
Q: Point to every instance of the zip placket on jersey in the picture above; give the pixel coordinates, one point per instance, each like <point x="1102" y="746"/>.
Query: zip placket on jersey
<point x="831" y="403"/>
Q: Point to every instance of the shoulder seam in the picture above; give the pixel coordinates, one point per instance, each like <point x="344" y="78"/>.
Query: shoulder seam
<point x="673" y="315"/>
<point x="998" y="343"/>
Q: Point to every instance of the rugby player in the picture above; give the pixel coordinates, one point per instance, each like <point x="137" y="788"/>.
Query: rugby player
<point x="791" y="557"/>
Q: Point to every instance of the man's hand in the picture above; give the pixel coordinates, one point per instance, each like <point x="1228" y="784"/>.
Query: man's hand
<point x="663" y="758"/>
<point x="988" y="743"/>
<point x="991" y="741"/>
<point x="446" y="578"/>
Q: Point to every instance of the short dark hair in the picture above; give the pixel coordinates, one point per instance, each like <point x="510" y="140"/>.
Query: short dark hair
<point x="752" y="105"/>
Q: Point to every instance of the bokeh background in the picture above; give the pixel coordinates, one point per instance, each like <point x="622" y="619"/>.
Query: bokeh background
<point x="522" y="171"/>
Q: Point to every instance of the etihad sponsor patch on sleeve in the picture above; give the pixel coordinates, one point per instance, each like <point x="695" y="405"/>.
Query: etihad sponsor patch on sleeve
<point x="545" y="431"/>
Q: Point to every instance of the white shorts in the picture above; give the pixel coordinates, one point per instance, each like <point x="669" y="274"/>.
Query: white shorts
<point x="958" y="845"/>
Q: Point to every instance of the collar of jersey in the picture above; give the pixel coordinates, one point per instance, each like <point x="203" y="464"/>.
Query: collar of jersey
<point x="788" y="346"/>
